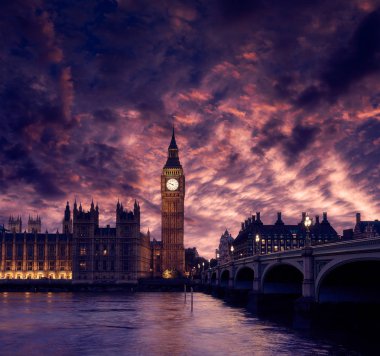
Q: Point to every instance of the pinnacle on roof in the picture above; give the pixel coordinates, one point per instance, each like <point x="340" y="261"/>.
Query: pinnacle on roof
<point x="173" y="143"/>
<point x="173" y="159"/>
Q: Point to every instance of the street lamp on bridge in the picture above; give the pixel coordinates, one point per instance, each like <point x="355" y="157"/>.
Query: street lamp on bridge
<point x="307" y="224"/>
<point x="257" y="245"/>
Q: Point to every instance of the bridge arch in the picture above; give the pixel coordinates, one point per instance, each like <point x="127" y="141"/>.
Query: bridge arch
<point x="282" y="278"/>
<point x="349" y="279"/>
<point x="224" y="278"/>
<point x="244" y="278"/>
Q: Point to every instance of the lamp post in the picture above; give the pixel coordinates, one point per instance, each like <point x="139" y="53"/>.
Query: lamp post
<point x="203" y="266"/>
<point x="257" y="245"/>
<point x="232" y="252"/>
<point x="307" y="223"/>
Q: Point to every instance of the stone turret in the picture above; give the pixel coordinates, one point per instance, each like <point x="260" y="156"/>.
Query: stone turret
<point x="67" y="223"/>
<point x="34" y="225"/>
<point x="15" y="224"/>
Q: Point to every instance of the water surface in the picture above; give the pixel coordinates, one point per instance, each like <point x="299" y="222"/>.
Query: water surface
<point x="143" y="324"/>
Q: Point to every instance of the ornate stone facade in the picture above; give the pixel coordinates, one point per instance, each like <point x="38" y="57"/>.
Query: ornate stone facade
<point x="172" y="214"/>
<point x="84" y="251"/>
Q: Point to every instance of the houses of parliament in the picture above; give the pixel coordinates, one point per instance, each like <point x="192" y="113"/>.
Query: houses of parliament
<point x="85" y="252"/>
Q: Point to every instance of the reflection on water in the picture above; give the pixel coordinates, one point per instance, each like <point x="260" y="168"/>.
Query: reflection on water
<point x="142" y="324"/>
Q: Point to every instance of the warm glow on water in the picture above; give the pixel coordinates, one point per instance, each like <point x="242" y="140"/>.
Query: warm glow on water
<point x="141" y="324"/>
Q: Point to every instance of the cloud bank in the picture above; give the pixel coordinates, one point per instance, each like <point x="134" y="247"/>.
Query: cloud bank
<point x="276" y="108"/>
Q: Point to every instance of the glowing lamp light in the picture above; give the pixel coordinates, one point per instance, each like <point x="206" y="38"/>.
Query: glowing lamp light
<point x="257" y="238"/>
<point x="307" y="221"/>
<point x="104" y="252"/>
<point x="232" y="249"/>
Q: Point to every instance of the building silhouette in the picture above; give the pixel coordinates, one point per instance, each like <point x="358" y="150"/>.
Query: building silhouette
<point x="365" y="229"/>
<point x="255" y="237"/>
<point x="223" y="252"/>
<point x="86" y="252"/>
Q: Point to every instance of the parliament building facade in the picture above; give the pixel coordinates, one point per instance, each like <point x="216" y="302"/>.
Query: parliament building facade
<point x="87" y="253"/>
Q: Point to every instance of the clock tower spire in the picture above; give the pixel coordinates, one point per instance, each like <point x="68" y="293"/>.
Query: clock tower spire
<point x="173" y="158"/>
<point x="172" y="213"/>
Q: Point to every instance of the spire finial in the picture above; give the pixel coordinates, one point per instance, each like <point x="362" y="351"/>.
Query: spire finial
<point x="173" y="143"/>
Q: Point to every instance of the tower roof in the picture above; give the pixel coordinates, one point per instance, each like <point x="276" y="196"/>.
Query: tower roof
<point x="173" y="159"/>
<point x="173" y="143"/>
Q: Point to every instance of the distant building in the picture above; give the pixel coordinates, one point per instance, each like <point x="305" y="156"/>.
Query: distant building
<point x="223" y="253"/>
<point x="365" y="229"/>
<point x="255" y="237"/>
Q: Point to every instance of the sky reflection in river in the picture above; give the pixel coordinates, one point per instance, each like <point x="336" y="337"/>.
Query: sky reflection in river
<point x="140" y="324"/>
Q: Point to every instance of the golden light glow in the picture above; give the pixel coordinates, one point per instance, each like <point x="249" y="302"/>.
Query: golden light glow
<point x="36" y="275"/>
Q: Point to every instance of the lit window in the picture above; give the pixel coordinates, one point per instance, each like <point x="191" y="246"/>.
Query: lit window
<point x="83" y="251"/>
<point x="82" y="266"/>
<point x="8" y="265"/>
<point x="62" y="265"/>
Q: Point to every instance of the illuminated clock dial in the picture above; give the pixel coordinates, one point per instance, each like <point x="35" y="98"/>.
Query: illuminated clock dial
<point x="172" y="184"/>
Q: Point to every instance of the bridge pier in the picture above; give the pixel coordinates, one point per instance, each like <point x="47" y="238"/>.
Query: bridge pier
<point x="305" y="306"/>
<point x="308" y="286"/>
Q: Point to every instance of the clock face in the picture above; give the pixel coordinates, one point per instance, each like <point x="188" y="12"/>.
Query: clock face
<point x="172" y="184"/>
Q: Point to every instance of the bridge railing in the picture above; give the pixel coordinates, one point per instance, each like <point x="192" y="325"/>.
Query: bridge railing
<point x="341" y="244"/>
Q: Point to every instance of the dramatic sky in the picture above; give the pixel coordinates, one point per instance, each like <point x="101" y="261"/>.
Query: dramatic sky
<point x="276" y="105"/>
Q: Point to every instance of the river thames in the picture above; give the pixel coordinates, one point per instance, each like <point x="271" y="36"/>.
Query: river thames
<point x="144" y="324"/>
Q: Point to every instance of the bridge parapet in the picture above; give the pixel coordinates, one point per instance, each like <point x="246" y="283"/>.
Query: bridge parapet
<point x="313" y="262"/>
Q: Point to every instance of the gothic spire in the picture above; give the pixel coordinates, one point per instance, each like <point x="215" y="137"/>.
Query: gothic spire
<point x="173" y="159"/>
<point x="173" y="143"/>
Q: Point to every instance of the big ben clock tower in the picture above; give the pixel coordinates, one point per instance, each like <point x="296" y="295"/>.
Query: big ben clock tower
<point x="172" y="213"/>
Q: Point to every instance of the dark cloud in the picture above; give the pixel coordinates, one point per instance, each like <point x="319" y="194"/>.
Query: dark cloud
<point x="300" y="140"/>
<point x="106" y="116"/>
<point x="361" y="152"/>
<point x="239" y="10"/>
<point x="356" y="59"/>
<point x="270" y="98"/>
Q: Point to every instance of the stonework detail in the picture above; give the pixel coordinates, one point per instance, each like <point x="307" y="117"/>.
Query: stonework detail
<point x="172" y="213"/>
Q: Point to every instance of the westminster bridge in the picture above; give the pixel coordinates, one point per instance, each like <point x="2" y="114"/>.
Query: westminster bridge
<point x="344" y="271"/>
